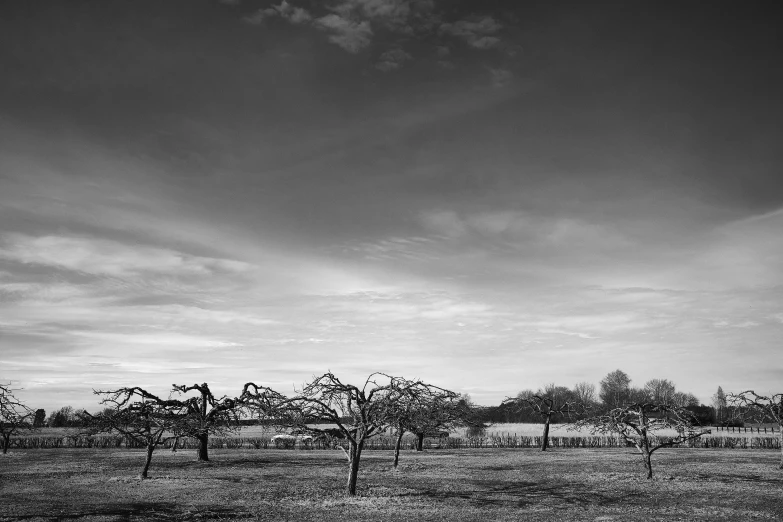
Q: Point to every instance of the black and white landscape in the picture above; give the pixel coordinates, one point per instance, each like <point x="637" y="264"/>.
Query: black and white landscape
<point x="486" y="196"/>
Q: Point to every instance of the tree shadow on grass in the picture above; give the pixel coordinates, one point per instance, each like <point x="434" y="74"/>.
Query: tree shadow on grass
<point x="261" y="462"/>
<point x="133" y="510"/>
<point x="525" y="493"/>
<point x="728" y="478"/>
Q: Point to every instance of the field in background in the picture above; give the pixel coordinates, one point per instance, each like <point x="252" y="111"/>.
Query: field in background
<point x="497" y="436"/>
<point x="561" y="430"/>
<point x="443" y="485"/>
<point x="505" y="429"/>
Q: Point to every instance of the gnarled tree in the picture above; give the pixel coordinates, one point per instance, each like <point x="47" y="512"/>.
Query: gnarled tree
<point x="139" y="416"/>
<point x="203" y="414"/>
<point x="638" y="424"/>
<point x="358" y="412"/>
<point x="427" y="410"/>
<point x="749" y="405"/>
<point x="14" y="415"/>
<point x="553" y="402"/>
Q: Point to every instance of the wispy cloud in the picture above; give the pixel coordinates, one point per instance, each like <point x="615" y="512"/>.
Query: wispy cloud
<point x="348" y="34"/>
<point x="500" y="77"/>
<point x="295" y="15"/>
<point x="107" y="257"/>
<point x="392" y="59"/>
<point x="350" y="25"/>
<point x="478" y="31"/>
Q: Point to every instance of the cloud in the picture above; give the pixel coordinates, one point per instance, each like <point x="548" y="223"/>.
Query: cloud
<point x="500" y="77"/>
<point x="402" y="16"/>
<point x="485" y="42"/>
<point x="347" y="34"/>
<point x="522" y="228"/>
<point x="392" y="59"/>
<point x="107" y="257"/>
<point x="259" y="16"/>
<point x="295" y="15"/>
<point x="740" y="254"/>
<point x="476" y="32"/>
<point x="397" y="10"/>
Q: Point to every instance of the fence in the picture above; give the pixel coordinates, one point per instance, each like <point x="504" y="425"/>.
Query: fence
<point x="387" y="443"/>
<point x="744" y="429"/>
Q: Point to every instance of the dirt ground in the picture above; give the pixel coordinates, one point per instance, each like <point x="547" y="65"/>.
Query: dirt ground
<point x="485" y="485"/>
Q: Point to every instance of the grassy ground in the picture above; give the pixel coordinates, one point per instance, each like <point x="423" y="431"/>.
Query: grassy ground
<point x="486" y="485"/>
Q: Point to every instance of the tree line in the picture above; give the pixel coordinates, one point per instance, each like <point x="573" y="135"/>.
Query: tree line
<point x="348" y="415"/>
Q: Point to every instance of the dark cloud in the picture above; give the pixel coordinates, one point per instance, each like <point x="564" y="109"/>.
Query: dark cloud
<point x="392" y="59"/>
<point x="476" y="31"/>
<point x="500" y="77"/>
<point x="350" y="35"/>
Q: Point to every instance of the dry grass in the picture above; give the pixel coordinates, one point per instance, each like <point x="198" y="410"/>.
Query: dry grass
<point x="492" y="484"/>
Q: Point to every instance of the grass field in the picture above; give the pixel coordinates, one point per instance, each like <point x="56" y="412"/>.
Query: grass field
<point x="491" y="484"/>
<point x="527" y="430"/>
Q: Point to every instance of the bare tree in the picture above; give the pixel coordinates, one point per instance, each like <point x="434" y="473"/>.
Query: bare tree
<point x="204" y="414"/>
<point x="749" y="405"/>
<point x="552" y="402"/>
<point x="585" y="393"/>
<point x="719" y="403"/>
<point x="615" y="389"/>
<point x="639" y="422"/>
<point x="660" y="390"/>
<point x="685" y="400"/>
<point x="133" y="413"/>
<point x="14" y="415"/>
<point x="358" y="412"/>
<point x="427" y="410"/>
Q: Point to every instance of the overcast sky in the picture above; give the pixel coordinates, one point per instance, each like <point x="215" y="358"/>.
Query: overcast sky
<point x="486" y="195"/>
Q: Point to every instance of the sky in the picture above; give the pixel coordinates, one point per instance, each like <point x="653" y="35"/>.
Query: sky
<point x="488" y="196"/>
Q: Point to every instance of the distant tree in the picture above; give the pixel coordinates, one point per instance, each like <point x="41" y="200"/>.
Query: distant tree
<point x="584" y="392"/>
<point x="703" y="415"/>
<point x="615" y="389"/>
<point x="660" y="390"/>
<point x="358" y="412"/>
<point x="749" y="405"/>
<point x="61" y="418"/>
<point x="143" y="420"/>
<point x="719" y="403"/>
<point x="553" y="402"/>
<point x="39" y="420"/>
<point x="14" y="415"/>
<point x="637" y="423"/>
<point x="685" y="400"/>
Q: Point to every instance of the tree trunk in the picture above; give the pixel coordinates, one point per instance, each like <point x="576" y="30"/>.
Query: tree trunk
<point x="203" y="441"/>
<point x="397" y="448"/>
<point x="174" y="446"/>
<point x="6" y="442"/>
<point x="545" y="442"/>
<point x="419" y="441"/>
<point x="150" y="449"/>
<point x="781" y="445"/>
<point x="647" y="457"/>
<point x="353" y="467"/>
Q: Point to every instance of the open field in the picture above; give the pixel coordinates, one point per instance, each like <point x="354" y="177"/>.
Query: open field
<point x="498" y="436"/>
<point x="518" y="429"/>
<point x="496" y="484"/>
